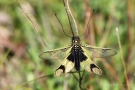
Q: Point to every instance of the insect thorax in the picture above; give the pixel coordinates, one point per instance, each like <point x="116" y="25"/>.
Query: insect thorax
<point x="75" y="40"/>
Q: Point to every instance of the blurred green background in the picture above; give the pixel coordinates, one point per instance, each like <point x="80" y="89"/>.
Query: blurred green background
<point x="20" y="45"/>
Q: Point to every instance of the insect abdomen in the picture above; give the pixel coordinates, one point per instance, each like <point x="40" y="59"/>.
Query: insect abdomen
<point x="77" y="56"/>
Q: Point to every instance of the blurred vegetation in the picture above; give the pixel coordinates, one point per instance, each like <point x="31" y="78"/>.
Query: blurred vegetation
<point x="20" y="45"/>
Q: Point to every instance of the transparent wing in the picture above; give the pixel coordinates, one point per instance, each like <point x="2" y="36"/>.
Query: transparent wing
<point x="97" y="52"/>
<point x="59" y="54"/>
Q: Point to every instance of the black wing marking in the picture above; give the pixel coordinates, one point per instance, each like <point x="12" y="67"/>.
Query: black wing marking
<point x="97" y="52"/>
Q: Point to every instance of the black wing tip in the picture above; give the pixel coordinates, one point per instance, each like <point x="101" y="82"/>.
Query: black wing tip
<point x="95" y="69"/>
<point x="60" y="71"/>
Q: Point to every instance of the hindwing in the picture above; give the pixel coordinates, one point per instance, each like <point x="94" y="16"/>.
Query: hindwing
<point x="89" y="65"/>
<point x="66" y="65"/>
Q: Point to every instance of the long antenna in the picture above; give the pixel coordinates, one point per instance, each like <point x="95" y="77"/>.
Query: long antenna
<point x="88" y="23"/>
<point x="61" y="25"/>
<point x="33" y="25"/>
<point x="68" y="18"/>
<point x="68" y="8"/>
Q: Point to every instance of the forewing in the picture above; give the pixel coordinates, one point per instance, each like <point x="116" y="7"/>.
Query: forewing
<point x="97" y="52"/>
<point x="59" y="54"/>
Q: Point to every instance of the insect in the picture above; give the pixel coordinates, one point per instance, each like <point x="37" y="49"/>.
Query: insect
<point x="77" y="55"/>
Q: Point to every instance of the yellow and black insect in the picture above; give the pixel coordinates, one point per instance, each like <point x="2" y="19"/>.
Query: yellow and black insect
<point x="77" y="55"/>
